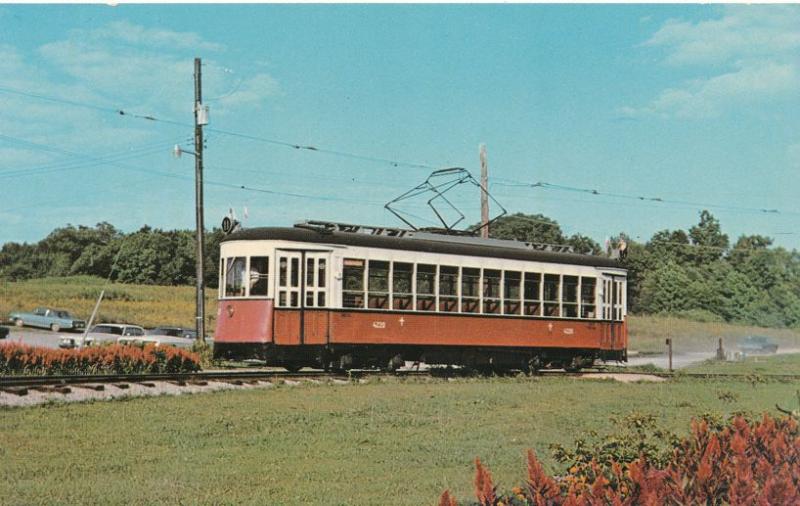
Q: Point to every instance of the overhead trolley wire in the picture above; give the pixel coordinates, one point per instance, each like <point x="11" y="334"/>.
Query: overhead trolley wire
<point x="590" y="191"/>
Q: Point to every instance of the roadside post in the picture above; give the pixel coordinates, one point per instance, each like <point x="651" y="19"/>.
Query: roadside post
<point x="669" y="352"/>
<point x="720" y="351"/>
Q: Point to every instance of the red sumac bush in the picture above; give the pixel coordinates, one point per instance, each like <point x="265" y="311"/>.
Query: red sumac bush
<point x="741" y="463"/>
<point x="18" y="358"/>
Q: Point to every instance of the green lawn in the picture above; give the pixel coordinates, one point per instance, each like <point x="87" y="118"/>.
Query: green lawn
<point x="390" y="442"/>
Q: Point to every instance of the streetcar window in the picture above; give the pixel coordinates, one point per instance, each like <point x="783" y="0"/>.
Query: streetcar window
<point x="491" y="291"/>
<point x="402" y="295"/>
<point x="221" y="278"/>
<point x="533" y="299"/>
<point x="587" y="297"/>
<point x="470" y="296"/>
<point x="321" y="274"/>
<point x="448" y="289"/>
<point x="235" y="277"/>
<point x="353" y="283"/>
<point x="551" y="291"/>
<point x="310" y="273"/>
<point x="570" y="297"/>
<point x="282" y="271"/>
<point x="511" y="292"/>
<point x="378" y="288"/>
<point x="618" y="288"/>
<point x="295" y="273"/>
<point x="426" y="287"/>
<point x="259" y="275"/>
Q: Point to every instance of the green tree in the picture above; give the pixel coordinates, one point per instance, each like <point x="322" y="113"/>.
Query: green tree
<point x="528" y="228"/>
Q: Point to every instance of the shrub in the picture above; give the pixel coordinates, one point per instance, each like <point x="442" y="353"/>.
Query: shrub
<point x="739" y="463"/>
<point x="18" y="358"/>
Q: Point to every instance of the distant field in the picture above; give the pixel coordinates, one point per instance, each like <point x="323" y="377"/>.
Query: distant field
<point x="648" y="333"/>
<point x="151" y="305"/>
<point x="385" y="442"/>
<point x="147" y="305"/>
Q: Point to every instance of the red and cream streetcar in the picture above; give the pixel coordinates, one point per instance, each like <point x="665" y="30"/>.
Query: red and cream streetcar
<point x="337" y="296"/>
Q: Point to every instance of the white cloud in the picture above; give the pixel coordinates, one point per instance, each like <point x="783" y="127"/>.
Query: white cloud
<point x="154" y="37"/>
<point x="748" y="55"/>
<point x="121" y="65"/>
<point x="709" y="97"/>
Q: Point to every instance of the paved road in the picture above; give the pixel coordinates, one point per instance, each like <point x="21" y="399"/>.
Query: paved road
<point x="36" y="337"/>
<point x="682" y="360"/>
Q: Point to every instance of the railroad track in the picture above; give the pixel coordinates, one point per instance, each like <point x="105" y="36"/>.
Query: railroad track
<point x="8" y="383"/>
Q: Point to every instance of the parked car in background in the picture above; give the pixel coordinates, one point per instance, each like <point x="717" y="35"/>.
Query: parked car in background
<point x="177" y="337"/>
<point x="167" y="330"/>
<point x="4" y="332"/>
<point x="44" y="317"/>
<point x="757" y="344"/>
<point x="103" y="333"/>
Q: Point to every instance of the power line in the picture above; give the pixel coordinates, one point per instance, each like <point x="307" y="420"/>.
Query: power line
<point x="660" y="200"/>
<point x="277" y="142"/>
<point x="65" y="165"/>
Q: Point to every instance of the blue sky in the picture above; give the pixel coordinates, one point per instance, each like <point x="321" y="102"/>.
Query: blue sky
<point x="695" y="104"/>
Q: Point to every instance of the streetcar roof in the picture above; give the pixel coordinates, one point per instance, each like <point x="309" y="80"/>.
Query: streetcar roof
<point x="428" y="243"/>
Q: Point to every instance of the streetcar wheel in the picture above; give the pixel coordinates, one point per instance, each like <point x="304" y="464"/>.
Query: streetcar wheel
<point x="532" y="366"/>
<point x="396" y="362"/>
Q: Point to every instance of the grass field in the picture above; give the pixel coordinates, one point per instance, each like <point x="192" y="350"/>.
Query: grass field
<point x="385" y="442"/>
<point x="150" y="305"/>
<point x="147" y="305"/>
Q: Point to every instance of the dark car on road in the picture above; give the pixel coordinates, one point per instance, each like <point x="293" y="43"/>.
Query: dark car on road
<point x="757" y="344"/>
<point x="3" y="332"/>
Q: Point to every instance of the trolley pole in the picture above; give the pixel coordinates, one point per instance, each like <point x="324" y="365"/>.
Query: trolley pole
<point x="200" y="316"/>
<point x="484" y="192"/>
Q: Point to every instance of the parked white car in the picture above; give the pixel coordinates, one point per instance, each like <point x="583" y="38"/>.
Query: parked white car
<point x="177" y="337"/>
<point x="103" y="334"/>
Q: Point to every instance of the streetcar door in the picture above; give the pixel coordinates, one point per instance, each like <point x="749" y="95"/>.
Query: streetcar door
<point x="288" y="302"/>
<point x="316" y="269"/>
<point x="288" y="290"/>
<point x="607" y="308"/>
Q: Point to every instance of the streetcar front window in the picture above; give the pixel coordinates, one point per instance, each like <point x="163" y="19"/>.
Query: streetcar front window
<point x="235" y="277"/>
<point x="259" y="276"/>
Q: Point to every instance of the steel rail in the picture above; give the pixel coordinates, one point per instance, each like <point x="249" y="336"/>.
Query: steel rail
<point x="215" y="375"/>
<point x="222" y="375"/>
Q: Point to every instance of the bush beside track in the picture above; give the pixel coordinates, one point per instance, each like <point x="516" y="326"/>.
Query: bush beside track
<point x="738" y="463"/>
<point x="115" y="359"/>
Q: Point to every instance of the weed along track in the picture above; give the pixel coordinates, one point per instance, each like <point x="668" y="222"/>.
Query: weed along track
<point x="35" y="390"/>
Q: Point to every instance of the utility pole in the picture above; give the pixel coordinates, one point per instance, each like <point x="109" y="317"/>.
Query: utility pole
<point x="484" y="192"/>
<point x="200" y="119"/>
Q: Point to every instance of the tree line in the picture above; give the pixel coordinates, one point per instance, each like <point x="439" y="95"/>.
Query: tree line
<point x="148" y="256"/>
<point x="695" y="273"/>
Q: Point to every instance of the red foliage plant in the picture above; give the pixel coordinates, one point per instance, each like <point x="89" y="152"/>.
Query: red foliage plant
<point x="18" y="358"/>
<point x="740" y="464"/>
